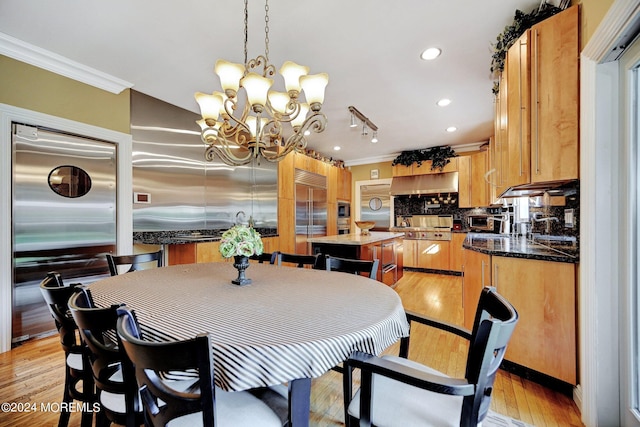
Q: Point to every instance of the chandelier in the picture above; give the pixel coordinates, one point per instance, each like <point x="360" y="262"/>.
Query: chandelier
<point x="248" y="120"/>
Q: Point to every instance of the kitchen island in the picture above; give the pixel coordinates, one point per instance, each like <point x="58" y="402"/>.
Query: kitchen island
<point x="384" y="246"/>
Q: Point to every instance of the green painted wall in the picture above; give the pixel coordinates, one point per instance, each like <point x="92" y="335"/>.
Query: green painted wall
<point x="35" y="89"/>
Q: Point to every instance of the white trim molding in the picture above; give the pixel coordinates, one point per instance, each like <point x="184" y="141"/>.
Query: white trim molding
<point x="124" y="216"/>
<point x="25" y="52"/>
<point x="598" y="394"/>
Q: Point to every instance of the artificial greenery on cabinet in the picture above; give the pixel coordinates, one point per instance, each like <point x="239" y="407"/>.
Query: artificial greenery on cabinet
<point x="439" y="156"/>
<point x="521" y="22"/>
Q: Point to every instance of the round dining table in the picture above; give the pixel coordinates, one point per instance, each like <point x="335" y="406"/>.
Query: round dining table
<point x="288" y="326"/>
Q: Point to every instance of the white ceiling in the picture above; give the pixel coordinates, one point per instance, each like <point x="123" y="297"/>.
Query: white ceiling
<point x="370" y="49"/>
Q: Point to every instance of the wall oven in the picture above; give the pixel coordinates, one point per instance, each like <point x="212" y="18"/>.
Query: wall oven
<point x="344" y="225"/>
<point x="344" y="210"/>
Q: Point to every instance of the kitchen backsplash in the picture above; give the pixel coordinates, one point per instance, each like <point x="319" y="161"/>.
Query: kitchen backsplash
<point x="419" y="205"/>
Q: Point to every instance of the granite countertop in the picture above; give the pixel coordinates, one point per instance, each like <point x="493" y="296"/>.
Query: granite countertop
<point x="186" y="236"/>
<point x="545" y="248"/>
<point x="355" y="239"/>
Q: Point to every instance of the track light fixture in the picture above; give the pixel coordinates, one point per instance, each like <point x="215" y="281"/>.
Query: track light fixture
<point x="366" y="123"/>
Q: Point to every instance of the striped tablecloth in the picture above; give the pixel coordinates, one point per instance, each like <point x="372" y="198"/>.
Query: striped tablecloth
<point x="289" y="323"/>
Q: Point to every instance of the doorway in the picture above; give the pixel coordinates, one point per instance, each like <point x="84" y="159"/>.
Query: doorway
<point x="63" y="217"/>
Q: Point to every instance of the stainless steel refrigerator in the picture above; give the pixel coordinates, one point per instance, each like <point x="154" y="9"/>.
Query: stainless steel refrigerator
<point x="311" y="208"/>
<point x="64" y="217"/>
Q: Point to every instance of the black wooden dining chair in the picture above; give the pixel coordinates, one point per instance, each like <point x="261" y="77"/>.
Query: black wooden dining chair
<point x="188" y="403"/>
<point x="355" y="266"/>
<point x="396" y="391"/>
<point x="299" y="260"/>
<point x="78" y="381"/>
<point x="115" y="382"/>
<point x="269" y="257"/>
<point x="136" y="261"/>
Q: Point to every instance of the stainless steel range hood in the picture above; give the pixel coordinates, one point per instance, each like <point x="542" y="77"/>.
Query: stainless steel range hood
<point x="425" y="184"/>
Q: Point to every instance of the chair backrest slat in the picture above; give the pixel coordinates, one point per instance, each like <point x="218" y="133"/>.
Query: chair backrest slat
<point x="137" y="261"/>
<point x="300" y="260"/>
<point x="355" y="266"/>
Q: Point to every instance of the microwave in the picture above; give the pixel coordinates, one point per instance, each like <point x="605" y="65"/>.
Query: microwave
<point x="480" y="222"/>
<point x="344" y="210"/>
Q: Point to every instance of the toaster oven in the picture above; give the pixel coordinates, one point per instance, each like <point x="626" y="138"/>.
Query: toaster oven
<point x="480" y="223"/>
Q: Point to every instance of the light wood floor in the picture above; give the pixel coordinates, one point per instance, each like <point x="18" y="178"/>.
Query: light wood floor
<point x="33" y="373"/>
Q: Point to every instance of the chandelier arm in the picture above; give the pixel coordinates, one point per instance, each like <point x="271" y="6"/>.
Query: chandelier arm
<point x="227" y="157"/>
<point x="316" y="122"/>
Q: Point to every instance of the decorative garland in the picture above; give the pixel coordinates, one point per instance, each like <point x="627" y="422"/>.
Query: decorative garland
<point x="521" y="23"/>
<point x="439" y="157"/>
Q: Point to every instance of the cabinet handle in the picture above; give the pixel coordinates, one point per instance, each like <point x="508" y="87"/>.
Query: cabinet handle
<point x="521" y="103"/>
<point x="462" y="286"/>
<point x="536" y="97"/>
<point x="495" y="276"/>
<point x="482" y="273"/>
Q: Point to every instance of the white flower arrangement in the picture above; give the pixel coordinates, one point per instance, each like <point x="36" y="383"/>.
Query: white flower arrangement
<point x="241" y="240"/>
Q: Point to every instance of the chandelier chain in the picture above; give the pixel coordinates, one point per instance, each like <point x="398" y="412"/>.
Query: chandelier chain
<point x="246" y="29"/>
<point x="266" y="30"/>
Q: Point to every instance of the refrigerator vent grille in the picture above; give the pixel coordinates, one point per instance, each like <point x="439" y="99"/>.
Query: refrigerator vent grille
<point x="311" y="179"/>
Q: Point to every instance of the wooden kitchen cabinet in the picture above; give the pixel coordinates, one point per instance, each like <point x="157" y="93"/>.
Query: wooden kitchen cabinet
<point x="455" y="251"/>
<point x="476" y="275"/>
<point x="473" y="189"/>
<point x="517" y="169"/>
<point x="554" y="97"/>
<point x="190" y="253"/>
<point x="410" y="253"/>
<point x="544" y="294"/>
<point x="537" y="116"/>
<point x="200" y="252"/>
<point x="344" y="184"/>
<point x="433" y="254"/>
<point x="498" y="153"/>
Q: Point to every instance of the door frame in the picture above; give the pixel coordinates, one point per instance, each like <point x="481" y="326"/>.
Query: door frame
<point x="124" y="216"/>
<point x="601" y="182"/>
<point x="356" y="209"/>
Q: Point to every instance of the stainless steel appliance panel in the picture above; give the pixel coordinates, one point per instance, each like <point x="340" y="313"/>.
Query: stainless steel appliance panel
<point x="375" y="205"/>
<point x="185" y="191"/>
<point x="311" y="209"/>
<point x="56" y="226"/>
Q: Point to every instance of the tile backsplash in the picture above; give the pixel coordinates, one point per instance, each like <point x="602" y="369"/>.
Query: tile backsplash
<point x="424" y="205"/>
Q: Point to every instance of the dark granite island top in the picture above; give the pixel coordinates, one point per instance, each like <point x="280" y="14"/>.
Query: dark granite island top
<point x="545" y="248"/>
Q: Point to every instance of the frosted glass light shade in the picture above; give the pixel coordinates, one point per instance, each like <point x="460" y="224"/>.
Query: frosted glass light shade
<point x="230" y="74"/>
<point x="302" y="115"/>
<point x="257" y="88"/>
<point x="313" y="87"/>
<point x="291" y="72"/>
<point x="209" y="105"/>
<point x="279" y="101"/>
<point x="251" y="123"/>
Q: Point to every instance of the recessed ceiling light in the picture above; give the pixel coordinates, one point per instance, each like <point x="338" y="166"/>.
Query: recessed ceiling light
<point x="336" y="148"/>
<point x="452" y="129"/>
<point x="444" y="102"/>
<point x="430" y="53"/>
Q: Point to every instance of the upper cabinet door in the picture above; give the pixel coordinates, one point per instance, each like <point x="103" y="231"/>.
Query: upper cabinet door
<point x="554" y="97"/>
<point x="518" y="108"/>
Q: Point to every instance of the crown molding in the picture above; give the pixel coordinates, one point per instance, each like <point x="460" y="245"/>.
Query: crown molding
<point x="25" y="52"/>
